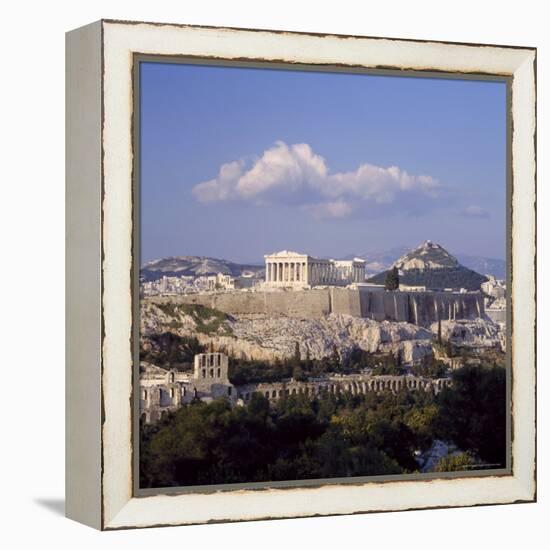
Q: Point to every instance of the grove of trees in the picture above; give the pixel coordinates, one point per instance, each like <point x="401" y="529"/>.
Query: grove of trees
<point x="331" y="436"/>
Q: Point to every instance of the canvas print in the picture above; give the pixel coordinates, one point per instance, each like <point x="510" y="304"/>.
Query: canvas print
<point x="322" y="276"/>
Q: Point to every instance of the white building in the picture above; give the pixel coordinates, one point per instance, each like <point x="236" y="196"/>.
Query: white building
<point x="221" y="282"/>
<point x="494" y="287"/>
<point x="295" y="270"/>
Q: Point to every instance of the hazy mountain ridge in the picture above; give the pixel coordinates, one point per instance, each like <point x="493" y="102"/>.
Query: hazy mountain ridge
<point x="194" y="266"/>
<point x="486" y="266"/>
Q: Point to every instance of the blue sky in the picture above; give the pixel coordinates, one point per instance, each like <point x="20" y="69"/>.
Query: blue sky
<point x="239" y="162"/>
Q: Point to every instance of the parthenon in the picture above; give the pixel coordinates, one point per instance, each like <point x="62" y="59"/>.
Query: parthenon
<point x="292" y="269"/>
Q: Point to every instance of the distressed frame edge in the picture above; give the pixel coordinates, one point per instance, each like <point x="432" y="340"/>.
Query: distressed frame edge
<point x="138" y="59"/>
<point x="525" y="488"/>
<point x="83" y="321"/>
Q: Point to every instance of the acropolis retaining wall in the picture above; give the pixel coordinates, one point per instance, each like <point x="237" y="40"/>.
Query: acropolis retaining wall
<point x="420" y="308"/>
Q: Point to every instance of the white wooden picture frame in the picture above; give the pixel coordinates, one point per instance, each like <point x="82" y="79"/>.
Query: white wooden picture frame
<point x="99" y="178"/>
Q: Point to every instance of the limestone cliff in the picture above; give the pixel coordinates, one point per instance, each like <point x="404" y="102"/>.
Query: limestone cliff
<point x="268" y="337"/>
<point x="475" y="333"/>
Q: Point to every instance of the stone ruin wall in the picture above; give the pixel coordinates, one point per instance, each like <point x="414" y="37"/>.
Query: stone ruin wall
<point x="355" y="384"/>
<point x="420" y="308"/>
<point x="160" y="399"/>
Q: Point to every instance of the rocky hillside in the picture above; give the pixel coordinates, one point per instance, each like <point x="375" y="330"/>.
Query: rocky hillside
<point x="268" y="338"/>
<point x="432" y="266"/>
<point x="476" y="333"/>
<point x="195" y="266"/>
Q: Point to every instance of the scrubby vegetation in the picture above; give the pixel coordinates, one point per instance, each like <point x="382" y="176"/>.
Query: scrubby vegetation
<point x="171" y="351"/>
<point x="207" y="319"/>
<point x="245" y="371"/>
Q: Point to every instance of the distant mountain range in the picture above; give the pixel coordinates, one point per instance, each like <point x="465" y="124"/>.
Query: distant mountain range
<point x="486" y="266"/>
<point x="430" y="265"/>
<point x="376" y="263"/>
<point x="194" y="266"/>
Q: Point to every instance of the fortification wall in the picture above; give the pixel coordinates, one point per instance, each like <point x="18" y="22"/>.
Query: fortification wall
<point x="345" y="301"/>
<point x="307" y="304"/>
<point x="420" y="308"/>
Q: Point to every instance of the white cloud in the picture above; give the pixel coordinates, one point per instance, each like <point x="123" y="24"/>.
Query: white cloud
<point x="474" y="211"/>
<point x="294" y="174"/>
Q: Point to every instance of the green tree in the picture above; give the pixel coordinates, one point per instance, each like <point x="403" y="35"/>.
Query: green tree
<point x="398" y="358"/>
<point x="392" y="279"/>
<point x="472" y="413"/>
<point x="297" y="357"/>
<point x="449" y="348"/>
<point x="335" y="360"/>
